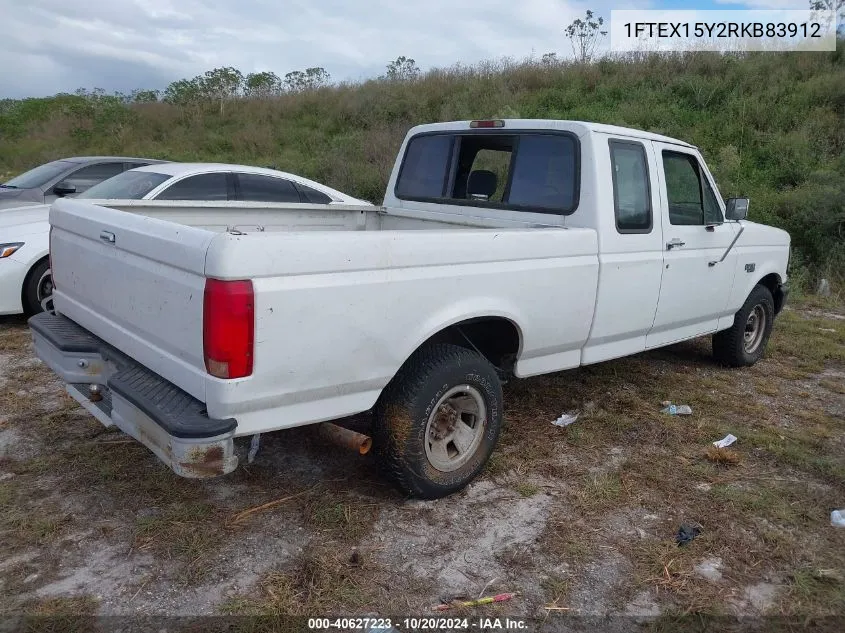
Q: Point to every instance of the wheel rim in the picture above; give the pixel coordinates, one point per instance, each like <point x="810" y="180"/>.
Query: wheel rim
<point x="44" y="291"/>
<point x="755" y="326"/>
<point x="455" y="428"/>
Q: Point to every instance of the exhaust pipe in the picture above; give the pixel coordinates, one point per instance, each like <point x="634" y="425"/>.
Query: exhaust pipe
<point x="346" y="438"/>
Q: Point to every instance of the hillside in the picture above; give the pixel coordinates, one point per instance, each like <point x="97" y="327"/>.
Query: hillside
<point x="770" y="126"/>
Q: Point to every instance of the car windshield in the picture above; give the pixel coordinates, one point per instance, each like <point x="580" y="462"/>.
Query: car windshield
<point x="130" y="185"/>
<point x="39" y="176"/>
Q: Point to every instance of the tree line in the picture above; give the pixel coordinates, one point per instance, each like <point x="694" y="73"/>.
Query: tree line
<point x="226" y="83"/>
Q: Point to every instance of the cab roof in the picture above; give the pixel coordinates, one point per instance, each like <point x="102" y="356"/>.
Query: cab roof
<point x="579" y="128"/>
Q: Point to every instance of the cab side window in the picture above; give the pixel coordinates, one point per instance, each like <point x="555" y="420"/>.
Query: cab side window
<point x="691" y="199"/>
<point x="631" y="190"/>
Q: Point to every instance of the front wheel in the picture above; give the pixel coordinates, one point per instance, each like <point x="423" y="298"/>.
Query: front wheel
<point x="744" y="343"/>
<point x="438" y="420"/>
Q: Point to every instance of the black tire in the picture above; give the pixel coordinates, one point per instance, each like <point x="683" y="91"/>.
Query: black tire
<point x="730" y="346"/>
<point x="31" y="304"/>
<point x="407" y="404"/>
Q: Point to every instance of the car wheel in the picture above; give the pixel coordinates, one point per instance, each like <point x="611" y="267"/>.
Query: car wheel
<point x="744" y="343"/>
<point x="37" y="287"/>
<point x="438" y="420"/>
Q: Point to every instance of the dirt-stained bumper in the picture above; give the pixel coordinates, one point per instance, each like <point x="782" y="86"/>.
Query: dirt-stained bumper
<point x="168" y="421"/>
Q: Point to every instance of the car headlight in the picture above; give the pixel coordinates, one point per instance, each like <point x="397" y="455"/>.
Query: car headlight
<point x="8" y="249"/>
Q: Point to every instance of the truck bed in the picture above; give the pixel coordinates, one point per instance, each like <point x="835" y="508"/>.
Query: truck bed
<point x="251" y="217"/>
<point x="342" y="296"/>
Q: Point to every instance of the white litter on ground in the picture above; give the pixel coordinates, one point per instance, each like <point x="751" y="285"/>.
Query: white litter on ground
<point x="725" y="441"/>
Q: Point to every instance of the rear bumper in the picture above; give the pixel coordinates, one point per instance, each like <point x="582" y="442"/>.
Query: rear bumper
<point x="165" y="419"/>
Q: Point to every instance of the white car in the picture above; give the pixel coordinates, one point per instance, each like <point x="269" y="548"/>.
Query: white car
<point x="504" y="247"/>
<point x="24" y="232"/>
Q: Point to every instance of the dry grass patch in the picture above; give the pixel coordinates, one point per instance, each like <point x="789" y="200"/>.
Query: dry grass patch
<point x="74" y="614"/>
<point x="321" y="581"/>
<point x="28" y="519"/>
<point x="14" y="336"/>
<point x="724" y="456"/>
<point x="187" y="534"/>
<point x="341" y="516"/>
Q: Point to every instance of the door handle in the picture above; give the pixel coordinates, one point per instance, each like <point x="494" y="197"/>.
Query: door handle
<point x="107" y="236"/>
<point x="675" y="243"/>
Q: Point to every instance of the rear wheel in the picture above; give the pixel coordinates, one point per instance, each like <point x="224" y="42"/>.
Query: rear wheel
<point x="438" y="420"/>
<point x="37" y="286"/>
<point x="744" y="343"/>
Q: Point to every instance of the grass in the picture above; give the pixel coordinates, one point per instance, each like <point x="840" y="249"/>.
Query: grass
<point x="527" y="489"/>
<point x="347" y="520"/>
<point x="75" y="614"/>
<point x="779" y="141"/>
<point x="320" y="581"/>
<point x="763" y="504"/>
<point x="758" y="512"/>
<point x="723" y="456"/>
<point x="186" y="533"/>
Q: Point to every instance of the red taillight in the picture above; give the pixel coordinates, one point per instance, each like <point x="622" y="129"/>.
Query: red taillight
<point x="487" y="123"/>
<point x="228" y="328"/>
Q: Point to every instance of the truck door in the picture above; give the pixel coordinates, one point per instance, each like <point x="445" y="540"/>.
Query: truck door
<point x="695" y="286"/>
<point x="630" y="253"/>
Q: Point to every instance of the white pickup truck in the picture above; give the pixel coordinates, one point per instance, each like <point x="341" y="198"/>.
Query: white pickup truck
<point x="504" y="247"/>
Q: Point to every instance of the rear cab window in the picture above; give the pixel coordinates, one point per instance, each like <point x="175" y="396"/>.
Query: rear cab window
<point x="537" y="171"/>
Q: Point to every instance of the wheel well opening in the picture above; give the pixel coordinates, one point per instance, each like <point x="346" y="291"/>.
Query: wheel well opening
<point x="773" y="283"/>
<point x="495" y="338"/>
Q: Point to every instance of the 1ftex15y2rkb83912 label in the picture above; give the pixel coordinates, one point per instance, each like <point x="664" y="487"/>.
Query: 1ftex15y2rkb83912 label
<point x="722" y="30"/>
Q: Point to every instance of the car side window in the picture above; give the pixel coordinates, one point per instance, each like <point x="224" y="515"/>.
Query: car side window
<point x="312" y="195"/>
<point x="85" y="178"/>
<point x="684" y="190"/>
<point x="258" y="188"/>
<point x="211" y="187"/>
<point x="631" y="189"/>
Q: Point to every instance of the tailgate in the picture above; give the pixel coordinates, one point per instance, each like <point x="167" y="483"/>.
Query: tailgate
<point x="135" y="282"/>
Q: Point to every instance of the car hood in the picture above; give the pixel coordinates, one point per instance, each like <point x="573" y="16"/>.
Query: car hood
<point x="18" y="197"/>
<point x="30" y="219"/>
<point x="762" y="235"/>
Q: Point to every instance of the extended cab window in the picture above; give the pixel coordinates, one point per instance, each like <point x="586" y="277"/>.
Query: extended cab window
<point x="523" y="171"/>
<point x="631" y="192"/>
<point x="691" y="199"/>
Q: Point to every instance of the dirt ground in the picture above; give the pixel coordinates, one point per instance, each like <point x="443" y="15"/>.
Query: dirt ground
<point x="576" y="521"/>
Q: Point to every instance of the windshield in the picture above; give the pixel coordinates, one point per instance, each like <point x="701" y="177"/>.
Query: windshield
<point x="130" y="185"/>
<point x="39" y="176"/>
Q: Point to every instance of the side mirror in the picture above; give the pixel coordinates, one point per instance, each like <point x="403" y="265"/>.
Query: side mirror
<point x="736" y="208"/>
<point x="64" y="188"/>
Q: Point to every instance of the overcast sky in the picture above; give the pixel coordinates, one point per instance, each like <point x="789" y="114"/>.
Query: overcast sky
<point x="50" y="46"/>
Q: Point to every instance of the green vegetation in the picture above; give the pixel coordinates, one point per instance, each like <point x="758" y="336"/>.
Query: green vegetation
<point x="769" y="124"/>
